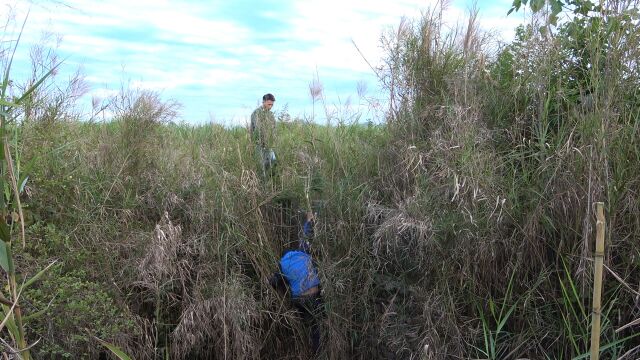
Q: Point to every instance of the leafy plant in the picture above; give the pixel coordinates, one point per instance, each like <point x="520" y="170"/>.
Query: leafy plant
<point x="12" y="182"/>
<point x="114" y="349"/>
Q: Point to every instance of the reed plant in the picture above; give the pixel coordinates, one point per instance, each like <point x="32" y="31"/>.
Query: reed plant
<point x="12" y="223"/>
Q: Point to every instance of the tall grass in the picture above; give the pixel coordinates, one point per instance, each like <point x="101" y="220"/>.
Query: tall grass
<point x="517" y="148"/>
<point x="460" y="228"/>
<point x="13" y="183"/>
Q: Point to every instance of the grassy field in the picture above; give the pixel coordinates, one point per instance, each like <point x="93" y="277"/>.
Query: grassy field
<point x="462" y="227"/>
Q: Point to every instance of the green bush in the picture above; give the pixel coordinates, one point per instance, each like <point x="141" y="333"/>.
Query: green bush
<point x="66" y="309"/>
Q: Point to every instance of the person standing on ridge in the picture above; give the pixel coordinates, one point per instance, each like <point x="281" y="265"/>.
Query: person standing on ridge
<point x="263" y="126"/>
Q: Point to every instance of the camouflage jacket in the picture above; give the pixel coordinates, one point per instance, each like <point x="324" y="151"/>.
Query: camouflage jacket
<point x="263" y="126"/>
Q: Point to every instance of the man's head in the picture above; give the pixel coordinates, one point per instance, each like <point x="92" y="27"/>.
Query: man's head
<point x="267" y="101"/>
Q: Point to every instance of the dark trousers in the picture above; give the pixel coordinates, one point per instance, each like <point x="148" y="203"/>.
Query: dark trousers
<point x="311" y="308"/>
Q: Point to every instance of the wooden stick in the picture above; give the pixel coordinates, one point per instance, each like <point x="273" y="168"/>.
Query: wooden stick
<point x="597" y="282"/>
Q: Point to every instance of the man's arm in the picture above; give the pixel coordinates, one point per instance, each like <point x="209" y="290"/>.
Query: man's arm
<point x="252" y="125"/>
<point x="307" y="233"/>
<point x="255" y="126"/>
<point x="278" y="282"/>
<point x="309" y="224"/>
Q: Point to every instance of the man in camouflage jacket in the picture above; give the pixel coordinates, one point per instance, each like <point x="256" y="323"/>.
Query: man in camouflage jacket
<point x="263" y="125"/>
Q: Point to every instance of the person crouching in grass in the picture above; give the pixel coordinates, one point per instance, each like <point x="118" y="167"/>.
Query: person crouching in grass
<point x="299" y="276"/>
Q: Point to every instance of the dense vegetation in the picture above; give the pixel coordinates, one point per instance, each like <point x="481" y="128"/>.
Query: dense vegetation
<point x="462" y="227"/>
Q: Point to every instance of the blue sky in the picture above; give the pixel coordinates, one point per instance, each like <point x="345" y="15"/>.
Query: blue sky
<point x="217" y="58"/>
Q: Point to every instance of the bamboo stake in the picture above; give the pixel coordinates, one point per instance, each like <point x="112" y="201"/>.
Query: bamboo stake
<point x="597" y="285"/>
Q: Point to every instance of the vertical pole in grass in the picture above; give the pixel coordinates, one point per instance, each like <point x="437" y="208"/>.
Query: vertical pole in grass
<point x="597" y="285"/>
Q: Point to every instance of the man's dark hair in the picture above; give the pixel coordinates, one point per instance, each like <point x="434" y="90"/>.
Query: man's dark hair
<point x="268" y="97"/>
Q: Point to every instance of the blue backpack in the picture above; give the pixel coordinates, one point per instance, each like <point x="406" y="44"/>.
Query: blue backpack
<point x="297" y="268"/>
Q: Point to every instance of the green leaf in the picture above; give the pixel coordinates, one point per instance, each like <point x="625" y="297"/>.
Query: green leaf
<point x="23" y="184"/>
<point x="2" y="143"/>
<point x="492" y="308"/>
<point x="26" y="169"/>
<point x="485" y="330"/>
<point x="5" y="82"/>
<point x="536" y="5"/>
<point x="7" y="320"/>
<point x="569" y="328"/>
<point x="517" y="4"/>
<point x="34" y="315"/>
<point x="505" y="318"/>
<point x="8" y="103"/>
<point x="7" y="191"/>
<point x="556" y="7"/>
<point x="114" y="349"/>
<point x="542" y="30"/>
<point x="38" y="83"/>
<point x="5" y="234"/>
<point x="5" y="257"/>
<point x="606" y="347"/>
<point x="38" y="275"/>
<point x="574" y="290"/>
<point x="3" y="203"/>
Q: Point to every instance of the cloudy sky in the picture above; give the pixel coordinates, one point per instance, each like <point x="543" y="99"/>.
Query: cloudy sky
<point x="217" y="58"/>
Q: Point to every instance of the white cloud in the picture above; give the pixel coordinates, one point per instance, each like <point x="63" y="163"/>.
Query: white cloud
<point x="176" y="47"/>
